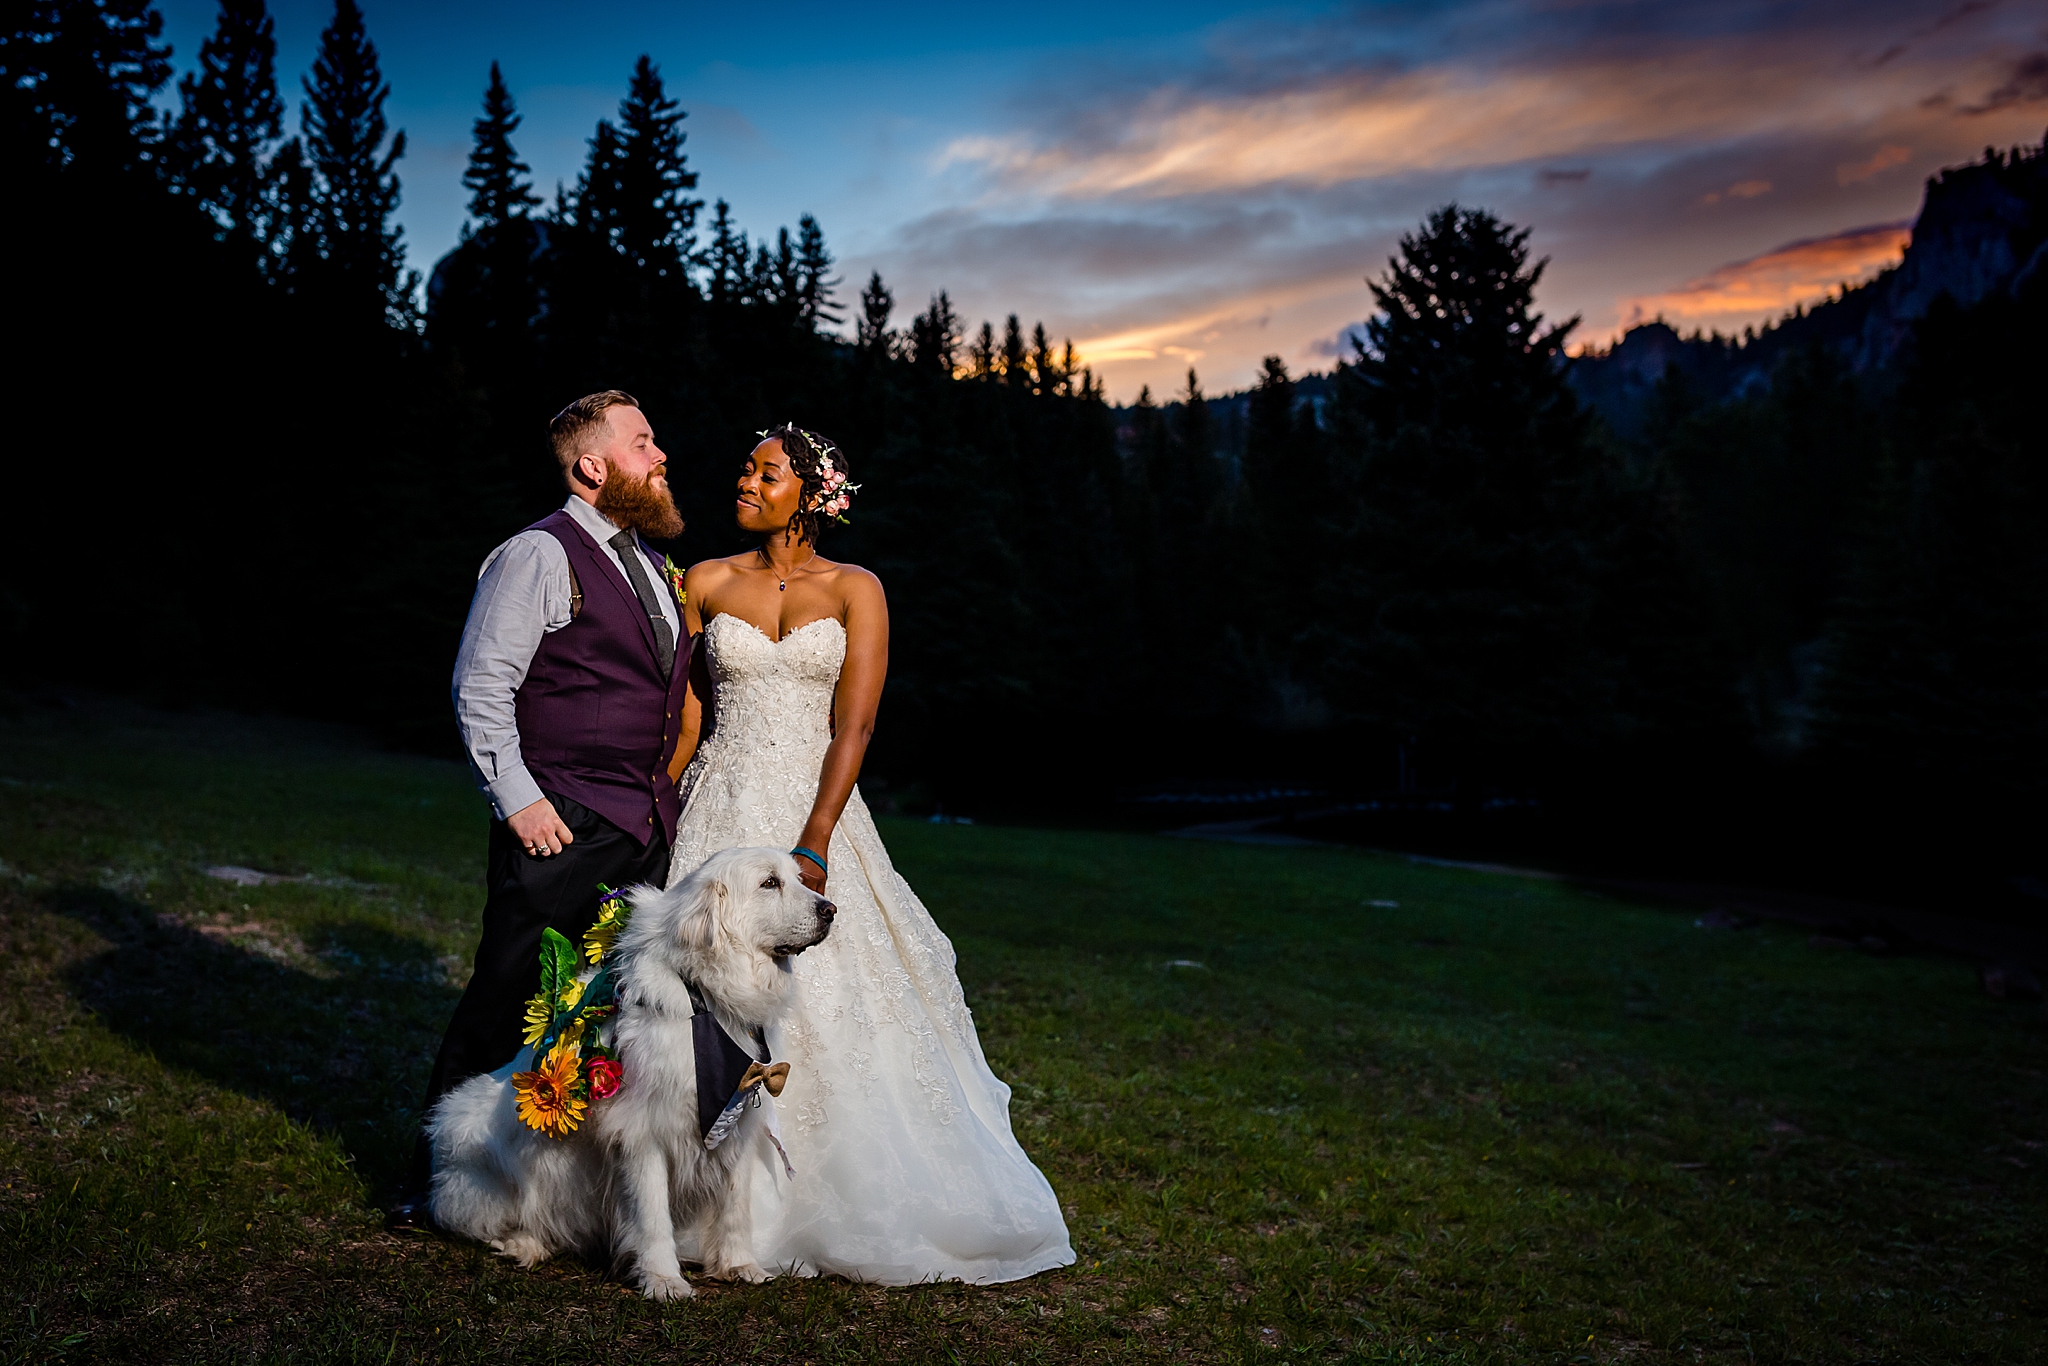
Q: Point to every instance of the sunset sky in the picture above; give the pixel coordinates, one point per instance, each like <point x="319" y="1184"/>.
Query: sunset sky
<point x="1207" y="183"/>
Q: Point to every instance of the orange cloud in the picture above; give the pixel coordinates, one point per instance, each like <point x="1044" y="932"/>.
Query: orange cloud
<point x="1190" y="336"/>
<point x="1767" y="285"/>
<point x="1884" y="159"/>
<point x="1434" y="118"/>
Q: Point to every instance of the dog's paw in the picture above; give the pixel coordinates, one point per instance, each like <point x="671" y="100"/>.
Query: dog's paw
<point x="523" y="1248"/>
<point x="745" y="1271"/>
<point x="659" y="1287"/>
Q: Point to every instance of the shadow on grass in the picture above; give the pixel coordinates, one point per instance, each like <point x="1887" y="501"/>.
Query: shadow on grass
<point x="343" y="1046"/>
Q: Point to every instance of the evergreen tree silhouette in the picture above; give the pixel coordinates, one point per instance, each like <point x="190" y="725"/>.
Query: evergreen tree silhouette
<point x="1014" y="364"/>
<point x="496" y="176"/>
<point x="230" y="117"/>
<point x="1937" y="660"/>
<point x="1045" y="366"/>
<point x="651" y="218"/>
<point x="1465" y="614"/>
<point x="981" y="353"/>
<point x="76" y="79"/>
<point x="935" y="337"/>
<point x="1270" y="430"/>
<point x="811" y="280"/>
<point x="597" y="197"/>
<point x="767" y="285"/>
<point x="355" y="188"/>
<point x="1151" y="453"/>
<point x="291" y="231"/>
<point x="872" y="329"/>
<point x="725" y="259"/>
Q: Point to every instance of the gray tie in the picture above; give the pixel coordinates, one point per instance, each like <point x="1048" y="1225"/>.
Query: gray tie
<point x="664" y="638"/>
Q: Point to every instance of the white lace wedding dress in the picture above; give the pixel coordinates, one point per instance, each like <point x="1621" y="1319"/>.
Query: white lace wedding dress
<point x="906" y="1168"/>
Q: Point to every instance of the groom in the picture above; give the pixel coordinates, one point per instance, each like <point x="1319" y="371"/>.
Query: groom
<point x="568" y="692"/>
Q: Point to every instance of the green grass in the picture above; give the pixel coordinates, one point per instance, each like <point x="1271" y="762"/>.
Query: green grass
<point x="1507" y="1120"/>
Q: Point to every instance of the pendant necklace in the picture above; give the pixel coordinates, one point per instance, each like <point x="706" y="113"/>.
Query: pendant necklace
<point x="782" y="580"/>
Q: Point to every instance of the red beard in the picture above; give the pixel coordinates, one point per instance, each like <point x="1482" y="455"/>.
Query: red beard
<point x="639" y="505"/>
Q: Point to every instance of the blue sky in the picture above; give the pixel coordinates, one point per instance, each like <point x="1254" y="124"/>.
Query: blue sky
<point x="1204" y="184"/>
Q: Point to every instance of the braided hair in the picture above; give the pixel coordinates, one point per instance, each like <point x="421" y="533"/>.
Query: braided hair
<point x="827" y="490"/>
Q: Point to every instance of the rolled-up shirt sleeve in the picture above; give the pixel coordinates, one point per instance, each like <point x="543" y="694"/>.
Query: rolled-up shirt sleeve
<point x="521" y="595"/>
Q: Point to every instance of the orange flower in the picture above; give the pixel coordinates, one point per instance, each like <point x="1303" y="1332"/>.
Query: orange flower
<point x="547" y="1095"/>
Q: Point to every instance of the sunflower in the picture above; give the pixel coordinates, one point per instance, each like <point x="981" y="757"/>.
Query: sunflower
<point x="538" y="1017"/>
<point x="547" y="1095"/>
<point x="599" y="938"/>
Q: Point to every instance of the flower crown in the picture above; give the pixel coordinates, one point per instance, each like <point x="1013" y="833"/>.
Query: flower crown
<point x="837" y="494"/>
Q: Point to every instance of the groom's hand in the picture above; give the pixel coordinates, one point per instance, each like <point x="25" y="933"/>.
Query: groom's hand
<point x="539" y="830"/>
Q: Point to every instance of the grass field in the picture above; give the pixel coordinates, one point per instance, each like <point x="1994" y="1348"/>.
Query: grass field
<point x="1501" y="1120"/>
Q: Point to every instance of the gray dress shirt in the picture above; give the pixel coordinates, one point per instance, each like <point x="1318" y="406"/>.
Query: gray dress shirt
<point x="522" y="593"/>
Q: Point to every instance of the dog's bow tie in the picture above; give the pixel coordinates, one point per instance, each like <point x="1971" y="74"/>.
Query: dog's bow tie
<point x="774" y="1076"/>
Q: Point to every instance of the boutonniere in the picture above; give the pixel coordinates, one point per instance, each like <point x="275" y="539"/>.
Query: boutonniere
<point x="674" y="572"/>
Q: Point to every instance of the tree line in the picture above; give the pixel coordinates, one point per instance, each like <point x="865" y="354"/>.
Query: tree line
<point x="264" y="457"/>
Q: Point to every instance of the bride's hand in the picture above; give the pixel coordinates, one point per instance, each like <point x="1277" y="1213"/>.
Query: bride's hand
<point x="808" y="871"/>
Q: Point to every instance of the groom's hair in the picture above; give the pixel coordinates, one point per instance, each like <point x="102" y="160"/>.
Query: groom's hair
<point x="572" y="428"/>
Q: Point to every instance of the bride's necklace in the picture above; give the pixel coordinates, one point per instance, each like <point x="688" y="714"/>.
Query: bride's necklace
<point x="782" y="580"/>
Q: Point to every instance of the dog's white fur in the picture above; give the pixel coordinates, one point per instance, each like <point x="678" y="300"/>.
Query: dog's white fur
<point x="622" y="1182"/>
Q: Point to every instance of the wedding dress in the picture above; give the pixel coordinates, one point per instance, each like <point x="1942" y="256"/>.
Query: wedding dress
<point x="906" y="1168"/>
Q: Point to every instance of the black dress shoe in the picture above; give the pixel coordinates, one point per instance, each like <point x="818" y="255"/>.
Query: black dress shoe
<point x="409" y="1215"/>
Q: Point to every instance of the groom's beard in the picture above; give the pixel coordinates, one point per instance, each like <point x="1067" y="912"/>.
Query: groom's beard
<point x="638" y="504"/>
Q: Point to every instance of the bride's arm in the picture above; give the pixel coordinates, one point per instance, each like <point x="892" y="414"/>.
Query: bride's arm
<point x="696" y="584"/>
<point x="853" y="710"/>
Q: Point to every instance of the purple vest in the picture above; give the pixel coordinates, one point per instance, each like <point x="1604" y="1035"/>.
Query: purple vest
<point x="597" y="721"/>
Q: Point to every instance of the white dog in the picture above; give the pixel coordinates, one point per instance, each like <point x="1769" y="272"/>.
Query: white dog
<point x="621" y="1183"/>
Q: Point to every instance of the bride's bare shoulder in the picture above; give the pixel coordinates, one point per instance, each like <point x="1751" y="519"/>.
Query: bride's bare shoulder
<point x="857" y="587"/>
<point x="718" y="568"/>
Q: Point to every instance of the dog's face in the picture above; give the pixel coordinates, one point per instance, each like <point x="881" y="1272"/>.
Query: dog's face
<point x="752" y="898"/>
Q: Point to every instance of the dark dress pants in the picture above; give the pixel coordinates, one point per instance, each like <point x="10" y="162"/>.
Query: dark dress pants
<point x="525" y="895"/>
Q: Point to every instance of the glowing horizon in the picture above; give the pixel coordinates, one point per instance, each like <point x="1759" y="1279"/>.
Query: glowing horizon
<point x="1208" y="184"/>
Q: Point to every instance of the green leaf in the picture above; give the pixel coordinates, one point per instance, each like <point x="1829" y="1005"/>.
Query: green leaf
<point x="557" y="963"/>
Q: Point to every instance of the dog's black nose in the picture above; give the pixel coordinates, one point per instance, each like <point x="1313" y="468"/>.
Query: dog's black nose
<point x="826" y="910"/>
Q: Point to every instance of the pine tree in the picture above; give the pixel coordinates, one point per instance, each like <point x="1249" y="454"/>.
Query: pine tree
<point x="355" y="188"/>
<point x="1473" y="552"/>
<point x="654" y="218"/>
<point x="291" y="230"/>
<point x="597" y="195"/>
<point x="872" y="330"/>
<point x="1270" y="430"/>
<point x="1937" y="661"/>
<point x="812" y="280"/>
<point x="229" y="118"/>
<point x="981" y="354"/>
<point x="1457" y="346"/>
<point x="767" y="282"/>
<point x="1045" y="367"/>
<point x="1190" y="495"/>
<point x="935" y="337"/>
<point x="725" y="258"/>
<point x="76" y="78"/>
<point x="496" y="176"/>
<point x="1015" y="362"/>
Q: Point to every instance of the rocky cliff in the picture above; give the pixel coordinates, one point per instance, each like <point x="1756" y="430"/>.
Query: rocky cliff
<point x="1981" y="228"/>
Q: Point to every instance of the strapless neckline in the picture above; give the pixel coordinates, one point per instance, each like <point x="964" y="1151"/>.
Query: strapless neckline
<point x="791" y="635"/>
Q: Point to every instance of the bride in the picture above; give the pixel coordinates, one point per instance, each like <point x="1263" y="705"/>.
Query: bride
<point x="906" y="1168"/>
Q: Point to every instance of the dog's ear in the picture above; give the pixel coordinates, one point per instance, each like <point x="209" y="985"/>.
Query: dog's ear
<point x="697" y="926"/>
